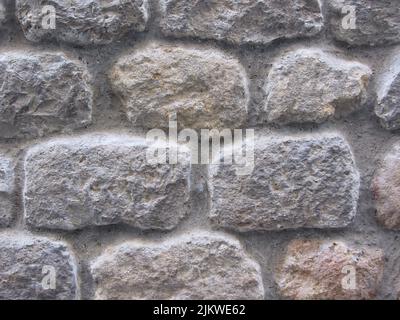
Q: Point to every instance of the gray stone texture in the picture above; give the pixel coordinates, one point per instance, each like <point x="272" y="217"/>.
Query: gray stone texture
<point x="82" y="22"/>
<point x="377" y="22"/>
<point x="199" y="266"/>
<point x="297" y="182"/>
<point x="310" y="85"/>
<point x="243" y="21"/>
<point x="41" y="93"/>
<point x="103" y="179"/>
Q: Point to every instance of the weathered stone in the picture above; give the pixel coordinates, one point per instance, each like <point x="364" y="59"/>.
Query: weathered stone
<point x="102" y="179"/>
<point x="3" y="12"/>
<point x="201" y="266"/>
<point x="6" y="190"/>
<point x="376" y="22"/>
<point x="82" y="22"/>
<point x="34" y="267"/>
<point x="313" y="269"/>
<point x="243" y="21"/>
<point x="386" y="188"/>
<point x="204" y="87"/>
<point x="309" y="85"/>
<point x="42" y="93"/>
<point x="388" y="96"/>
<point x="303" y="181"/>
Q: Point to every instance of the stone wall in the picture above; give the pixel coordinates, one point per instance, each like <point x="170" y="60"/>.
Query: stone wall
<point x="84" y="215"/>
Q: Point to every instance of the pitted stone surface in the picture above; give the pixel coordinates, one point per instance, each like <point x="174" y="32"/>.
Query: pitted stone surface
<point x="376" y="22"/>
<point x="102" y="179"/>
<point x="6" y="191"/>
<point x="3" y="12"/>
<point x="82" y="22"/>
<point x="42" y="93"/>
<point x="386" y="188"/>
<point x="314" y="269"/>
<point x="34" y="267"/>
<point x="306" y="181"/>
<point x="309" y="85"/>
<point x="388" y="96"/>
<point x="203" y="87"/>
<point x="243" y="21"/>
<point x="201" y="266"/>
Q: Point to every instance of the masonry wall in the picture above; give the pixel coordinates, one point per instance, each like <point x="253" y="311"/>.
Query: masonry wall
<point x="85" y="215"/>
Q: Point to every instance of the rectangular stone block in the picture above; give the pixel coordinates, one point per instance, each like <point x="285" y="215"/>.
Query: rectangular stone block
<point x="34" y="267"/>
<point x="308" y="181"/>
<point x="196" y="266"/>
<point x="103" y="179"/>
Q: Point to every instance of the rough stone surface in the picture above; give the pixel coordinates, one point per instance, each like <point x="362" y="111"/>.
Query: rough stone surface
<point x="297" y="182"/>
<point x="6" y="190"/>
<point x="25" y="262"/>
<point x="83" y="22"/>
<point x="309" y="85"/>
<point x="207" y="62"/>
<point x="386" y="187"/>
<point x="388" y="96"/>
<point x="314" y="269"/>
<point x="204" y="87"/>
<point x="377" y="22"/>
<point x="243" y="21"/>
<point x="3" y="12"/>
<point x="201" y="266"/>
<point x="103" y="179"/>
<point x="42" y="93"/>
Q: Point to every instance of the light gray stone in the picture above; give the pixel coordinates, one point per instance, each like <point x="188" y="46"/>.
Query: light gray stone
<point x="377" y="22"/>
<point x="34" y="267"/>
<point x="82" y="22"/>
<point x="204" y="87"/>
<point x="42" y="93"/>
<point x="386" y="188"/>
<point x="6" y="191"/>
<point x="309" y="85"/>
<point x="198" y="266"/>
<point x="102" y="179"/>
<point x="307" y="181"/>
<point x="315" y="269"/>
<point x="388" y="96"/>
<point x="241" y="21"/>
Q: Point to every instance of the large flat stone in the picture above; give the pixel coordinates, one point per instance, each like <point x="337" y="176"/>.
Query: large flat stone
<point x="308" y="181"/>
<point x="6" y="191"/>
<point x="34" y="267"/>
<point x="388" y="95"/>
<point x="377" y="22"/>
<point x="200" y="266"/>
<point x="386" y="188"/>
<point x="243" y="21"/>
<point x="42" y="93"/>
<point x="203" y="87"/>
<point x="312" y="86"/>
<point x="103" y="179"/>
<point x="82" y="22"/>
<point x="316" y="269"/>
